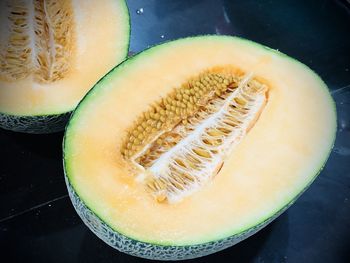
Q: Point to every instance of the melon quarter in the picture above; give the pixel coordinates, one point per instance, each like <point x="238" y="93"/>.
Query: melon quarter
<point x="192" y="146"/>
<point x="51" y="53"/>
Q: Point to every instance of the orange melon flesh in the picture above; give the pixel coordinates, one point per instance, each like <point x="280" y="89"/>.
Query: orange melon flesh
<point x="101" y="37"/>
<point x="273" y="164"/>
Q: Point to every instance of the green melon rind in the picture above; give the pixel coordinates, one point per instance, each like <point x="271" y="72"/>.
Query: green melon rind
<point x="153" y="249"/>
<point x="157" y="251"/>
<point x="34" y="124"/>
<point x="54" y="122"/>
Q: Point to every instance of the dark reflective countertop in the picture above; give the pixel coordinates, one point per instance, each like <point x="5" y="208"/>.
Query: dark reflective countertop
<point x="38" y="222"/>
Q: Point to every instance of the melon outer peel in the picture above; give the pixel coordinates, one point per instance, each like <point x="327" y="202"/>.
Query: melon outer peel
<point x="34" y="124"/>
<point x="42" y="44"/>
<point x="151" y="248"/>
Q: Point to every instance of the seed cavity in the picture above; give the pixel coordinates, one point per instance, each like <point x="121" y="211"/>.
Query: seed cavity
<point x="187" y="148"/>
<point x="40" y="40"/>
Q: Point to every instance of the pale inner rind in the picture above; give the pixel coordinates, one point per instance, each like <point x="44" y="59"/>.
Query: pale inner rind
<point x="40" y="42"/>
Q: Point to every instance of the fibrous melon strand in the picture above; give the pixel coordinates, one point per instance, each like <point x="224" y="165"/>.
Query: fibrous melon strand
<point x="54" y="40"/>
<point x="15" y="58"/>
<point x="180" y="104"/>
<point x="189" y="146"/>
<point x="49" y="25"/>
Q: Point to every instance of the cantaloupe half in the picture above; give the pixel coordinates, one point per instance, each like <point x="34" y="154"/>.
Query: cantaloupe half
<point x="191" y="146"/>
<point x="51" y="53"/>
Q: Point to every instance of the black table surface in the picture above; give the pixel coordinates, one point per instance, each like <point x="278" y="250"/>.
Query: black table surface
<point x="38" y="222"/>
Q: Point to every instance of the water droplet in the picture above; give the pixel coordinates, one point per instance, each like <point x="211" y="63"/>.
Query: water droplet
<point x="343" y="124"/>
<point x="227" y="19"/>
<point x="342" y="151"/>
<point x="139" y="11"/>
<point x="346" y="69"/>
<point x="162" y="36"/>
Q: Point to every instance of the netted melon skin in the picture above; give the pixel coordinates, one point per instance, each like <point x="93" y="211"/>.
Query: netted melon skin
<point x="152" y="251"/>
<point x="34" y="124"/>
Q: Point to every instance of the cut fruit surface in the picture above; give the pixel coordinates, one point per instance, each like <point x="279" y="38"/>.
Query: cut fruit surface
<point x="195" y="144"/>
<point x="52" y="53"/>
<point x="182" y="141"/>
